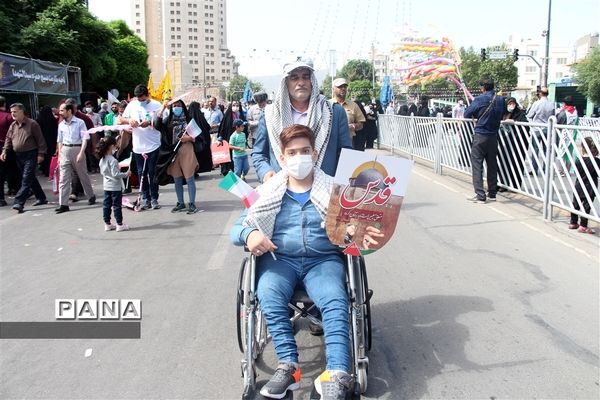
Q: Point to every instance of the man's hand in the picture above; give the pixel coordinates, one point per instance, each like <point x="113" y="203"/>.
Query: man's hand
<point x="268" y="176"/>
<point x="40" y="158"/>
<point x="508" y="121"/>
<point x="145" y="124"/>
<point x="80" y="156"/>
<point x="134" y="123"/>
<point x="368" y="239"/>
<point x="3" y="157"/>
<point x="259" y="244"/>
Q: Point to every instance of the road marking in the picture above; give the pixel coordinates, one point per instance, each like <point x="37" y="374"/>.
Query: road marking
<point x="501" y="212"/>
<point x="445" y="186"/>
<point x="557" y="240"/>
<point x="223" y="246"/>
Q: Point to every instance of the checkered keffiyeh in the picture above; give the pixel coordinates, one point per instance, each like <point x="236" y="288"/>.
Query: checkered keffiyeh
<point x="320" y="118"/>
<point x="263" y="213"/>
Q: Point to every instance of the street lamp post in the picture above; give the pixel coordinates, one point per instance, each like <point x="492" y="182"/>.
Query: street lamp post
<point x="547" y="57"/>
<point x="204" y="74"/>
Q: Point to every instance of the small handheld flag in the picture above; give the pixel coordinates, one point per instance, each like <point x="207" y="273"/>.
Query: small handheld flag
<point x="241" y="189"/>
<point x="193" y="129"/>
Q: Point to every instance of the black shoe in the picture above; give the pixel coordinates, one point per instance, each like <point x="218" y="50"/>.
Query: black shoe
<point x="62" y="209"/>
<point x="40" y="202"/>
<point x="491" y="197"/>
<point x="477" y="199"/>
<point x="3" y="203"/>
<point x="286" y="377"/>
<point x="18" y="208"/>
<point x="92" y="200"/>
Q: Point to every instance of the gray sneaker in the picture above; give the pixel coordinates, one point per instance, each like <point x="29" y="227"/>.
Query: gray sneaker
<point x="192" y="209"/>
<point x="334" y="385"/>
<point x="146" y="205"/>
<point x="178" y="207"/>
<point x="286" y="377"/>
<point x="155" y="205"/>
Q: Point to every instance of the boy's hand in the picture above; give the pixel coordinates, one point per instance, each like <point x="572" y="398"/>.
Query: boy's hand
<point x="128" y="172"/>
<point x="259" y="244"/>
<point x="368" y="239"/>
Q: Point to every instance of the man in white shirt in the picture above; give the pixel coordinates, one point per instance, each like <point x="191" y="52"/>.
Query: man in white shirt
<point x="72" y="140"/>
<point x="539" y="113"/>
<point x="141" y="115"/>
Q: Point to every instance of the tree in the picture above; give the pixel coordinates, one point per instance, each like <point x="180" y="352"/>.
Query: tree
<point x="237" y="85"/>
<point x="66" y="32"/>
<point x="588" y="75"/>
<point x="503" y="72"/>
<point x="357" y="70"/>
<point x="131" y="55"/>
<point x="362" y="90"/>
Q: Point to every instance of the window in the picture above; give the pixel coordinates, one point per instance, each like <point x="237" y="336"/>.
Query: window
<point x="137" y="14"/>
<point x="561" y="61"/>
<point x="137" y="22"/>
<point x="533" y="83"/>
<point x="178" y="29"/>
<point x="533" y="53"/>
<point x="530" y="69"/>
<point x="173" y="53"/>
<point x="137" y="6"/>
<point x="559" y="75"/>
<point x="172" y="29"/>
<point x="172" y="12"/>
<point x="172" y="36"/>
<point x="172" y="21"/>
<point x="138" y="31"/>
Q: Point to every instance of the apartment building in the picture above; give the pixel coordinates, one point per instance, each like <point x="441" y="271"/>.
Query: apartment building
<point x="188" y="38"/>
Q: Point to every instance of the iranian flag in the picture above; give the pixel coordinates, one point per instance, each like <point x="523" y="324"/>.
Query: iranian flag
<point x="233" y="184"/>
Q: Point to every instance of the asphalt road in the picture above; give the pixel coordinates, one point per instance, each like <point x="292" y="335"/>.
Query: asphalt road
<point x="471" y="301"/>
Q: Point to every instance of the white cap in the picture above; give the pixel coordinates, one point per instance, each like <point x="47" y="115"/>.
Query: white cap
<point x="339" y="82"/>
<point x="289" y="67"/>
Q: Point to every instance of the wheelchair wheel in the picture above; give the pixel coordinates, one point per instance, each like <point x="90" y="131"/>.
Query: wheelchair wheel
<point x="239" y="308"/>
<point x="362" y="377"/>
<point x="242" y="319"/>
<point x="367" y="294"/>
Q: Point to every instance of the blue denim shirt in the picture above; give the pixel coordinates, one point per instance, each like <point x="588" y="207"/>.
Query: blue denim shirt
<point x="264" y="159"/>
<point x="299" y="231"/>
<point x="489" y="123"/>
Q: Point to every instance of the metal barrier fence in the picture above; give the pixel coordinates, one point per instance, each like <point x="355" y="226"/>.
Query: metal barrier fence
<point x="556" y="175"/>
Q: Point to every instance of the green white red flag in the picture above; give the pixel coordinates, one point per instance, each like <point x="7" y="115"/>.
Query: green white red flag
<point x="233" y="184"/>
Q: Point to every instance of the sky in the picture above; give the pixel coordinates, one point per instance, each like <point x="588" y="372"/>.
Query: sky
<point x="265" y="34"/>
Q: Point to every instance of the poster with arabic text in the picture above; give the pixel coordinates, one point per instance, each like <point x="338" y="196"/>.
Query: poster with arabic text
<point x="365" y="202"/>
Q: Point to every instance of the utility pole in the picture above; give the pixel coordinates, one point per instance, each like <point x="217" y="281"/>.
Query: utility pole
<point x="547" y="57"/>
<point x="373" y="63"/>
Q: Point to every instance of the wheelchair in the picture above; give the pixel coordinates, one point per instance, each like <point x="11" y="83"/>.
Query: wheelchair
<point x="252" y="331"/>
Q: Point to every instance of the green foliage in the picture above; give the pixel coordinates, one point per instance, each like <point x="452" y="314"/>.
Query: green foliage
<point x="588" y="75"/>
<point x="362" y="90"/>
<point x="326" y="87"/>
<point x="237" y="85"/>
<point x="357" y="70"/>
<point x="503" y="72"/>
<point x="64" y="31"/>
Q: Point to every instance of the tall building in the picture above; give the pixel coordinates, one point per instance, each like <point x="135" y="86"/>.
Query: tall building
<point x="189" y="39"/>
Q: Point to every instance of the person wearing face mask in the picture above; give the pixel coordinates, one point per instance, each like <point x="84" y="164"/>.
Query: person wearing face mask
<point x="288" y="220"/>
<point x="142" y="115"/>
<point x="89" y="110"/>
<point x="185" y="164"/>
<point x="226" y="128"/>
<point x="513" y="149"/>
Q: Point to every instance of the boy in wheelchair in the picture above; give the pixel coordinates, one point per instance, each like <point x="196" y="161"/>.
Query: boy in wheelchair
<point x="288" y="221"/>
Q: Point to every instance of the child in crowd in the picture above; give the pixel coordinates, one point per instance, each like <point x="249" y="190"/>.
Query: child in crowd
<point x="237" y="142"/>
<point x="112" y="183"/>
<point x="590" y="162"/>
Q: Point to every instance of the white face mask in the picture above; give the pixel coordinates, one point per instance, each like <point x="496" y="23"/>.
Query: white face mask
<point x="510" y="108"/>
<point x="300" y="166"/>
<point x="88" y="110"/>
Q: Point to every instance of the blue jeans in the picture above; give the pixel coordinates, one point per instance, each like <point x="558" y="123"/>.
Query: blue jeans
<point x="324" y="279"/>
<point x="241" y="165"/>
<point x="112" y="199"/>
<point x="27" y="163"/>
<point x="148" y="174"/>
